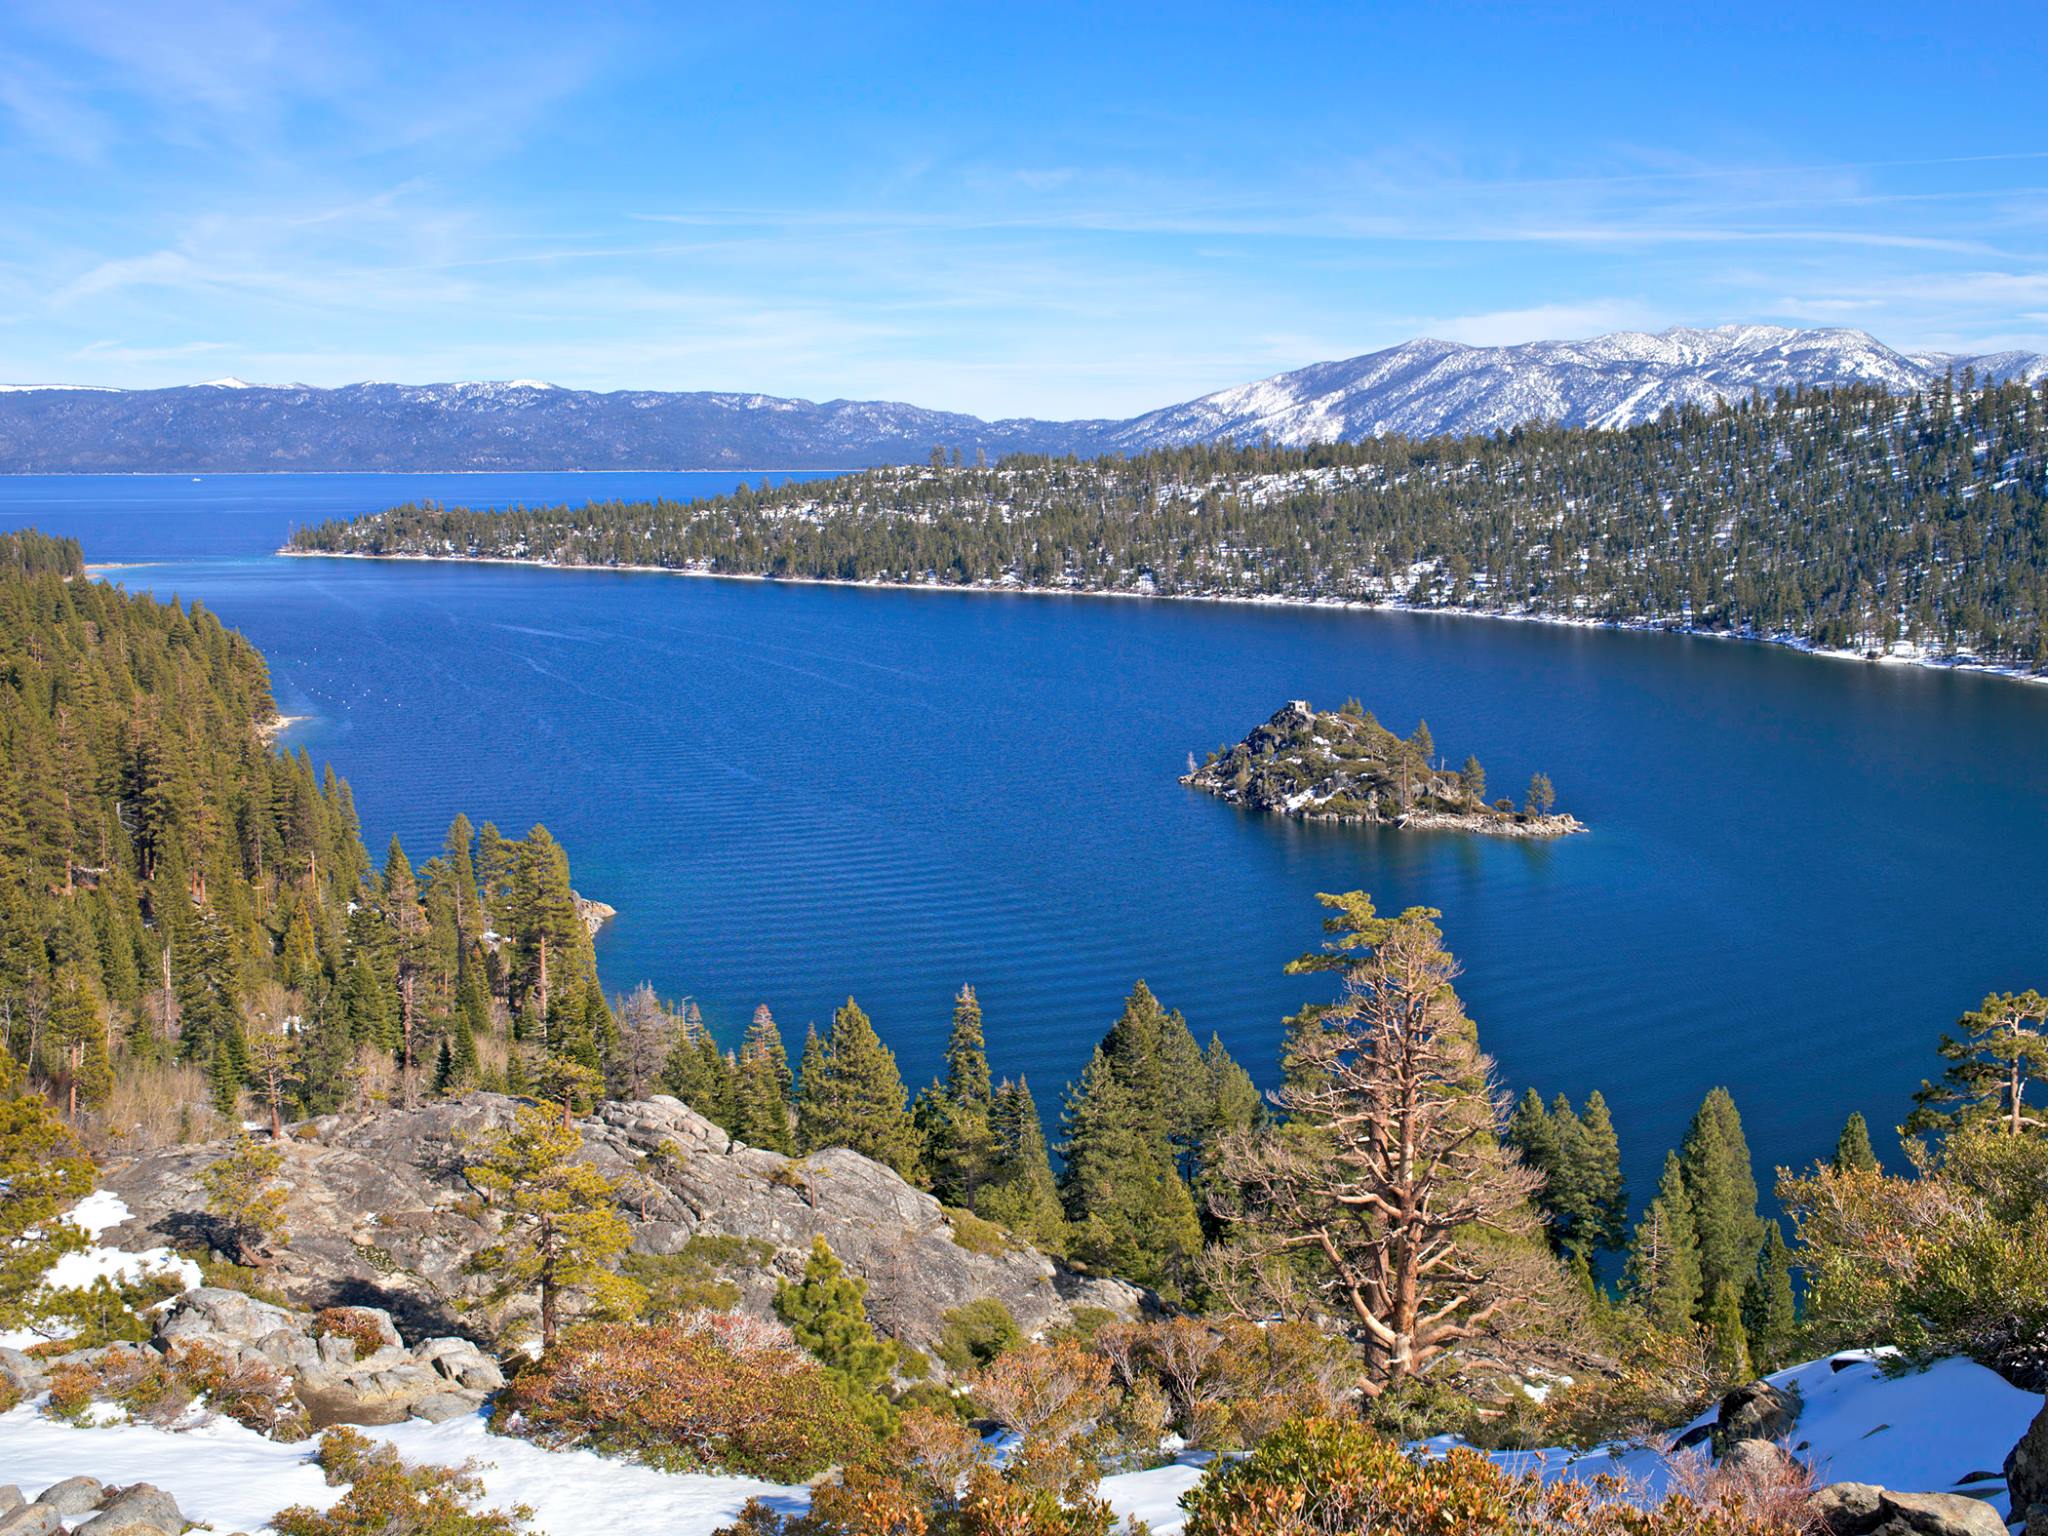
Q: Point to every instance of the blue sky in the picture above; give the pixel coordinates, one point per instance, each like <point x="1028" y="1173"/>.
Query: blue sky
<point x="1042" y="210"/>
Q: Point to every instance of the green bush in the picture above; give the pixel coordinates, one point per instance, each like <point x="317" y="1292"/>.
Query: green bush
<point x="976" y="1334"/>
<point x="720" y="1395"/>
<point x="1314" y="1476"/>
<point x="698" y="1275"/>
<point x="976" y="1234"/>
<point x="388" y="1497"/>
<point x="108" y="1311"/>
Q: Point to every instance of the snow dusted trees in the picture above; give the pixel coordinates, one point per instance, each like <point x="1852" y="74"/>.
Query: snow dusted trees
<point x="1391" y="1172"/>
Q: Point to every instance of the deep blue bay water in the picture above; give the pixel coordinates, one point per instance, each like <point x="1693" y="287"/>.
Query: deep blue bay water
<point x="1801" y="870"/>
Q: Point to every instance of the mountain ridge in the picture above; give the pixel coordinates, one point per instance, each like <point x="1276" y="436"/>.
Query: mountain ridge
<point x="1420" y="388"/>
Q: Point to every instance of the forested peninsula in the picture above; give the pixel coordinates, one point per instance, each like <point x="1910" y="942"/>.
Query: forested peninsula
<point x="1845" y="519"/>
<point x="1343" y="765"/>
<point x="188" y="917"/>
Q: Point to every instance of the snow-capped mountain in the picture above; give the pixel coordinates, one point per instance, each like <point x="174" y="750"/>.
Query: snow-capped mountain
<point x="1420" y="388"/>
<point x="1424" y="388"/>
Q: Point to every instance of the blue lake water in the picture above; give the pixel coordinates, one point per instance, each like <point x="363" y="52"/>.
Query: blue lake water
<point x="1801" y="870"/>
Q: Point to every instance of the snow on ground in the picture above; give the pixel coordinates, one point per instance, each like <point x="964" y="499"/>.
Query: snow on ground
<point x="232" y="1479"/>
<point x="1926" y="1431"/>
<point x="75" y="1271"/>
<point x="1154" y="1496"/>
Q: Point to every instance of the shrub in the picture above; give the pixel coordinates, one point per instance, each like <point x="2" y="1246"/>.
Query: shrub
<point x="703" y="1394"/>
<point x="938" y="1481"/>
<point x="388" y="1497"/>
<point x="1316" y="1476"/>
<point x="160" y="1389"/>
<point x="976" y="1334"/>
<point x="1944" y="1262"/>
<point x="1224" y="1385"/>
<point x="108" y="1311"/>
<point x="1057" y="1397"/>
<point x="692" y="1278"/>
<point x="1664" y="1379"/>
<point x="976" y="1234"/>
<point x="1088" y="1322"/>
<point x="353" y="1324"/>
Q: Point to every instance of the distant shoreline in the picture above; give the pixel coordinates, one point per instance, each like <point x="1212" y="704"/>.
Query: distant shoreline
<point x="1323" y="604"/>
<point x="256" y="474"/>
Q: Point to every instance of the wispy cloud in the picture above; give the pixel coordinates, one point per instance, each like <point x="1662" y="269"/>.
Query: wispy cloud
<point x="311" y="190"/>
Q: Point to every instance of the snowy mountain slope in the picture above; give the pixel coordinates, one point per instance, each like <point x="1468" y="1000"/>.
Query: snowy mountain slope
<point x="1425" y="388"/>
<point x="1420" y="388"/>
<point x="1924" y="1432"/>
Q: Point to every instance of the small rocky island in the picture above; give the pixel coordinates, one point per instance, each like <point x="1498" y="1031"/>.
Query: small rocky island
<point x="1343" y="765"/>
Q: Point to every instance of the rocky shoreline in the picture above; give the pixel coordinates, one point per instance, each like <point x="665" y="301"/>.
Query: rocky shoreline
<point x="1344" y="766"/>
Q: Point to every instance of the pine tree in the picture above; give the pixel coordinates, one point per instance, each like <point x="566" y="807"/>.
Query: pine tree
<point x="1234" y="1109"/>
<point x="1473" y="777"/>
<point x="1727" y="1339"/>
<point x="967" y="1075"/>
<point x="1391" y="1180"/>
<point x="853" y="1096"/>
<point x="1853" y="1152"/>
<point x="693" y="1070"/>
<point x="1721" y="1184"/>
<point x="827" y="1312"/>
<point x="1570" y="1192"/>
<point x="1606" y="1193"/>
<point x="954" y="1116"/>
<point x="1664" y="1264"/>
<point x="246" y="1194"/>
<point x="1129" y="1211"/>
<point x="1768" y="1309"/>
<point x="45" y="1172"/>
<point x="560" y="1229"/>
<point x="79" y="1032"/>
<point x="761" y="1112"/>
<point x="1530" y="1133"/>
<point x="1021" y="1193"/>
<point x="1999" y="1050"/>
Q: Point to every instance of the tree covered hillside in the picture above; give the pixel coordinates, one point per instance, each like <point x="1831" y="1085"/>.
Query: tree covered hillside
<point x="187" y="914"/>
<point x="1845" y="518"/>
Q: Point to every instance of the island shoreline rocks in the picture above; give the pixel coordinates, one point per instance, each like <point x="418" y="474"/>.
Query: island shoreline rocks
<point x="1344" y="766"/>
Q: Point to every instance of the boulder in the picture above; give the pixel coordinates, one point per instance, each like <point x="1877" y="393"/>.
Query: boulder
<point x="73" y="1496"/>
<point x="331" y="1381"/>
<point x="23" y="1373"/>
<point x="462" y="1363"/>
<point x="1758" y="1411"/>
<point x="2026" y="1469"/>
<point x="1861" y="1509"/>
<point x="136" y="1511"/>
<point x="437" y="1407"/>
<point x="32" y="1520"/>
<point x="381" y="1217"/>
<point x="10" y="1500"/>
<point x="369" y="1394"/>
<point x="239" y="1327"/>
